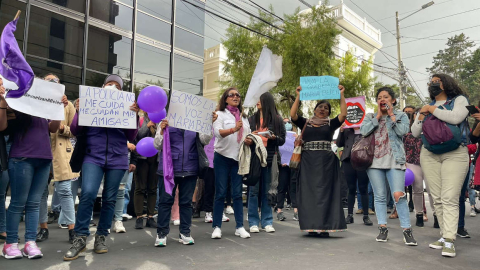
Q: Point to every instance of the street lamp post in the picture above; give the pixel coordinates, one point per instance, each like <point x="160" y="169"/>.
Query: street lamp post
<point x="401" y="68"/>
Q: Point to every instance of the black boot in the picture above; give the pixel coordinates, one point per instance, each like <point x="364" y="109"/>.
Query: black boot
<point x="79" y="246"/>
<point x="71" y="236"/>
<point x="435" y="222"/>
<point x="151" y="223"/>
<point x="100" y="247"/>
<point x="367" y="221"/>
<point x="139" y="223"/>
<point x="419" y="220"/>
<point x="349" y="219"/>
<point x="42" y="235"/>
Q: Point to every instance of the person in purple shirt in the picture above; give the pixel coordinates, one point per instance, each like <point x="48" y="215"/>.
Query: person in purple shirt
<point x="106" y="156"/>
<point x="28" y="167"/>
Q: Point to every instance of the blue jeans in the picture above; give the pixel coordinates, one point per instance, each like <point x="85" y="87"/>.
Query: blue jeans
<point x="63" y="191"/>
<point x="91" y="179"/>
<point x="370" y="197"/>
<point x="28" y="178"/>
<point x="226" y="168"/>
<point x="56" y="206"/>
<point x="3" y="192"/>
<point x="471" y="192"/>
<point x="254" y="192"/>
<point x="128" y="187"/>
<point x="120" y="204"/>
<point x="396" y="181"/>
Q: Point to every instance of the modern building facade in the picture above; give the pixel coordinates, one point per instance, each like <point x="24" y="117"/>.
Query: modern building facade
<point x="82" y="41"/>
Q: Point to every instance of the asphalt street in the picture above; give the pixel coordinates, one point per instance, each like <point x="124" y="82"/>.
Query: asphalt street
<point x="287" y="248"/>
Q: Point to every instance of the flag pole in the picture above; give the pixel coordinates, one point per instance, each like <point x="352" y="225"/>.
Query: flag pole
<point x="18" y="15"/>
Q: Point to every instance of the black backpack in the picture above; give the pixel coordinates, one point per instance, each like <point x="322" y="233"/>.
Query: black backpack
<point x="252" y="178"/>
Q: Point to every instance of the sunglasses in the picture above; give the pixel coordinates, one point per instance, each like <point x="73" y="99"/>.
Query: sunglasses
<point x="436" y="81"/>
<point x="234" y="95"/>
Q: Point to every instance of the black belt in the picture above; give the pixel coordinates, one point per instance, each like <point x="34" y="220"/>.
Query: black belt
<point x="317" y="145"/>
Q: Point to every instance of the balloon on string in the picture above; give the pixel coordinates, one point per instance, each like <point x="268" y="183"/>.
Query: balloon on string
<point x="146" y="148"/>
<point x="409" y="177"/>
<point x="152" y="99"/>
<point x="157" y="117"/>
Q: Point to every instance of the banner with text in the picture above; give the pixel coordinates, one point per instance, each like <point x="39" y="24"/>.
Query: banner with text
<point x="108" y="108"/>
<point x="355" y="111"/>
<point x="319" y="87"/>
<point x="286" y="150"/>
<point x="44" y="99"/>
<point x="190" y="112"/>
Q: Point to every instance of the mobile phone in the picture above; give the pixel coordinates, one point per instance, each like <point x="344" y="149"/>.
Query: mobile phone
<point x="266" y="134"/>
<point x="472" y="109"/>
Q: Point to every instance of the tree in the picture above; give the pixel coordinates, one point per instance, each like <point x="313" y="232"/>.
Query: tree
<point x="471" y="77"/>
<point x="137" y="88"/>
<point x="412" y="98"/>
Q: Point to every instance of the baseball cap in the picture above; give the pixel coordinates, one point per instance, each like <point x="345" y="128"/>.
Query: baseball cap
<point x="114" y="78"/>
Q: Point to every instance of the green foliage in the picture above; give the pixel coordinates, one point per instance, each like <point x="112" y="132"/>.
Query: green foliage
<point x="471" y="77"/>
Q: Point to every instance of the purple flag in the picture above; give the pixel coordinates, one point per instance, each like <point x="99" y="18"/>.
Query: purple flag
<point x="14" y="66"/>
<point x="167" y="163"/>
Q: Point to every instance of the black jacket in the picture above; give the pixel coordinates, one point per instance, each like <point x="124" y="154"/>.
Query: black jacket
<point x="346" y="139"/>
<point x="272" y="145"/>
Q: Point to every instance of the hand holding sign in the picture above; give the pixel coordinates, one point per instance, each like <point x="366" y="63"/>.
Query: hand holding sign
<point x="319" y="87"/>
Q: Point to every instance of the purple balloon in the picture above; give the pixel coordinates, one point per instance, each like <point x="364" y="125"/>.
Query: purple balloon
<point x="146" y="148"/>
<point x="157" y="117"/>
<point x="409" y="177"/>
<point x="152" y="99"/>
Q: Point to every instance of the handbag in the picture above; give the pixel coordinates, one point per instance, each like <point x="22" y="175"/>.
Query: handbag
<point x="79" y="151"/>
<point x="297" y="151"/>
<point x="362" y="153"/>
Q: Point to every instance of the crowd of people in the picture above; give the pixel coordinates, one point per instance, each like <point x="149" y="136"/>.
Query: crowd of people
<point x="36" y="151"/>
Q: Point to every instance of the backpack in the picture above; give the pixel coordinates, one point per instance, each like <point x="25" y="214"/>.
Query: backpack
<point x="440" y="137"/>
<point x="255" y="173"/>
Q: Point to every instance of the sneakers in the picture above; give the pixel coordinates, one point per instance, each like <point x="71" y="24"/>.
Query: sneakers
<point x="71" y="236"/>
<point x="371" y="212"/>
<point x="99" y="246"/>
<point x="161" y="240"/>
<point x="438" y="244"/>
<point x="281" y="216"/>
<point x="79" y="245"/>
<point x="288" y="207"/>
<point x="225" y="218"/>
<point x="118" y="227"/>
<point x="269" y="229"/>
<point x="176" y="222"/>
<point x="208" y="217"/>
<point x="472" y="212"/>
<point x="448" y="249"/>
<point x="186" y="239"/>
<point x="92" y="223"/>
<point x="349" y="219"/>
<point x="139" y="223"/>
<point x="53" y="217"/>
<point x="11" y="251"/>
<point x="295" y="216"/>
<point x="254" y="229"/>
<point x="32" y="251"/>
<point x="359" y="212"/>
<point x="462" y="232"/>
<point x="367" y="221"/>
<point x="42" y="235"/>
<point x="63" y="226"/>
<point x="242" y="233"/>
<point x="151" y="223"/>
<point x="419" y="222"/>
<point x="217" y="233"/>
<point x="408" y="237"/>
<point x="126" y="217"/>
<point x="383" y="235"/>
<point x="435" y="222"/>
<point x="229" y="210"/>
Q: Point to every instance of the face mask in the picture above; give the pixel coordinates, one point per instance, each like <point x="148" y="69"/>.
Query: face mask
<point x="288" y="126"/>
<point x="435" y="89"/>
<point x="113" y="87"/>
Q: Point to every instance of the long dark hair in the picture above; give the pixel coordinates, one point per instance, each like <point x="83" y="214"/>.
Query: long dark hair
<point x="324" y="101"/>
<point x="222" y="102"/>
<point x="450" y="86"/>
<point x="269" y="112"/>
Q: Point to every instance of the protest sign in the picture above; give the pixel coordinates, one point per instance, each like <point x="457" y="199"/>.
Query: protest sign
<point x="210" y="150"/>
<point x="108" y="108"/>
<point x="319" y="87"/>
<point x="286" y="150"/>
<point x="355" y="111"/>
<point x="44" y="99"/>
<point x="190" y="112"/>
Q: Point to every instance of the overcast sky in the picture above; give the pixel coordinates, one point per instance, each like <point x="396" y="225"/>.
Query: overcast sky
<point x="383" y="11"/>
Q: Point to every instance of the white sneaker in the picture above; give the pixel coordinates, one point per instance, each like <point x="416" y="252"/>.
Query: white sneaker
<point x="126" y="217"/>
<point x="161" y="241"/>
<point x="254" y="229"/>
<point x="118" y="227"/>
<point x="225" y="218"/>
<point x="208" y="217"/>
<point x="176" y="222"/>
<point x="472" y="212"/>
<point x="229" y="210"/>
<point x="217" y="233"/>
<point x="242" y="233"/>
<point x="269" y="229"/>
<point x="186" y="240"/>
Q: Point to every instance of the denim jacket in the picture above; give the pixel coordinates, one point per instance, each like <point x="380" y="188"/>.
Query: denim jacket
<point x="396" y="131"/>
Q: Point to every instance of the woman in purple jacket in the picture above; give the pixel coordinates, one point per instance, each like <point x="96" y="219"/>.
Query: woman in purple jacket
<point x="106" y="155"/>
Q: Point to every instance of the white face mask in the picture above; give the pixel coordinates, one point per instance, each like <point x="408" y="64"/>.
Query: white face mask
<point x="112" y="86"/>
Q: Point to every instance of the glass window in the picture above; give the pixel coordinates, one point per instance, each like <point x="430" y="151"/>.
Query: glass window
<point x="158" y="8"/>
<point x="112" y="12"/>
<point x="8" y="10"/>
<point x="55" y="37"/>
<point x="69" y="76"/>
<point x="188" y="42"/>
<point x="77" y="5"/>
<point x="97" y="79"/>
<point x="128" y="2"/>
<point x="152" y="65"/>
<point x="190" y="17"/>
<point x="153" y="28"/>
<point x="108" y="52"/>
<point x="187" y="75"/>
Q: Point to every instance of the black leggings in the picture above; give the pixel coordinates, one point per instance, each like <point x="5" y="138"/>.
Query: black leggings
<point x="352" y="176"/>
<point x="283" y="186"/>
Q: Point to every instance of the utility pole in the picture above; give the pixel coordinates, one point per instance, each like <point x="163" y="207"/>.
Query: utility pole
<point x="401" y="68"/>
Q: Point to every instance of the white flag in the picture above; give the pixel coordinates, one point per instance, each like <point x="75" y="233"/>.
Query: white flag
<point x="266" y="75"/>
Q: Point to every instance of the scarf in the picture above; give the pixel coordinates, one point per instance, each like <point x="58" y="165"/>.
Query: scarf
<point x="236" y="112"/>
<point x="317" y="121"/>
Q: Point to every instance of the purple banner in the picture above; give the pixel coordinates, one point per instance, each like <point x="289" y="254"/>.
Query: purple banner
<point x="209" y="150"/>
<point x="287" y="149"/>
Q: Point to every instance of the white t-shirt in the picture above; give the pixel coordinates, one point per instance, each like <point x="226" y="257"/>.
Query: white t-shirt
<point x="229" y="146"/>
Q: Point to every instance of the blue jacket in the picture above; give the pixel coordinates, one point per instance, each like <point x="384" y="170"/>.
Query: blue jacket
<point x="183" y="145"/>
<point x="396" y="131"/>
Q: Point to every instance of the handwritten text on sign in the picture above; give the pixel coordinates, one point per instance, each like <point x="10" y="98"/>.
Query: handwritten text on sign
<point x="319" y="87"/>
<point x="190" y="112"/>
<point x="106" y="108"/>
<point x="355" y="111"/>
<point x="287" y="149"/>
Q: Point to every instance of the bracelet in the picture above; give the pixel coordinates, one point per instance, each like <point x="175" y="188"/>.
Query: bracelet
<point x="3" y="108"/>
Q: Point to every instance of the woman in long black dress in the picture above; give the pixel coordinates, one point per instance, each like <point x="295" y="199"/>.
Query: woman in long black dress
<point x="318" y="187"/>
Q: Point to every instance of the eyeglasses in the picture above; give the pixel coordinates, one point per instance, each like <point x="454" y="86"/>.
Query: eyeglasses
<point x="435" y="81"/>
<point x="234" y="95"/>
